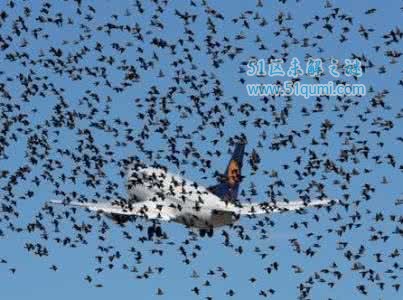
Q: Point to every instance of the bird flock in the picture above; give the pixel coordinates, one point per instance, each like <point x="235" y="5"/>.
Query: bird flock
<point x="88" y="89"/>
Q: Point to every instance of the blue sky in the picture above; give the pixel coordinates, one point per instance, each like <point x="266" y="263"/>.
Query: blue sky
<point x="33" y="278"/>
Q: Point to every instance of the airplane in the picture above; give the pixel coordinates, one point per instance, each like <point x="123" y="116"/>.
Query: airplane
<point x="156" y="194"/>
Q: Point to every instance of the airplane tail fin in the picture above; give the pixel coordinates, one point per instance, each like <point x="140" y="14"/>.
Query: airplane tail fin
<point x="227" y="190"/>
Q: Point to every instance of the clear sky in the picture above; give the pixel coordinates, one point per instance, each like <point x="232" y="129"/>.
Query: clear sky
<point x="33" y="277"/>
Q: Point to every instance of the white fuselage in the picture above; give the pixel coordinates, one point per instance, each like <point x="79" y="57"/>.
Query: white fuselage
<point x="188" y="202"/>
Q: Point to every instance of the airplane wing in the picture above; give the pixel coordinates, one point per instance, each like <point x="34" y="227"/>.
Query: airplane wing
<point x="146" y="209"/>
<point x="268" y="208"/>
<point x="163" y="211"/>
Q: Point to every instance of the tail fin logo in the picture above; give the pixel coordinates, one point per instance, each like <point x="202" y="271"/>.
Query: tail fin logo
<point x="233" y="173"/>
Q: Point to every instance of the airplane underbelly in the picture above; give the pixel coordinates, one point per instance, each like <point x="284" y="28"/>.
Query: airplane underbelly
<point x="222" y="218"/>
<point x="205" y="220"/>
